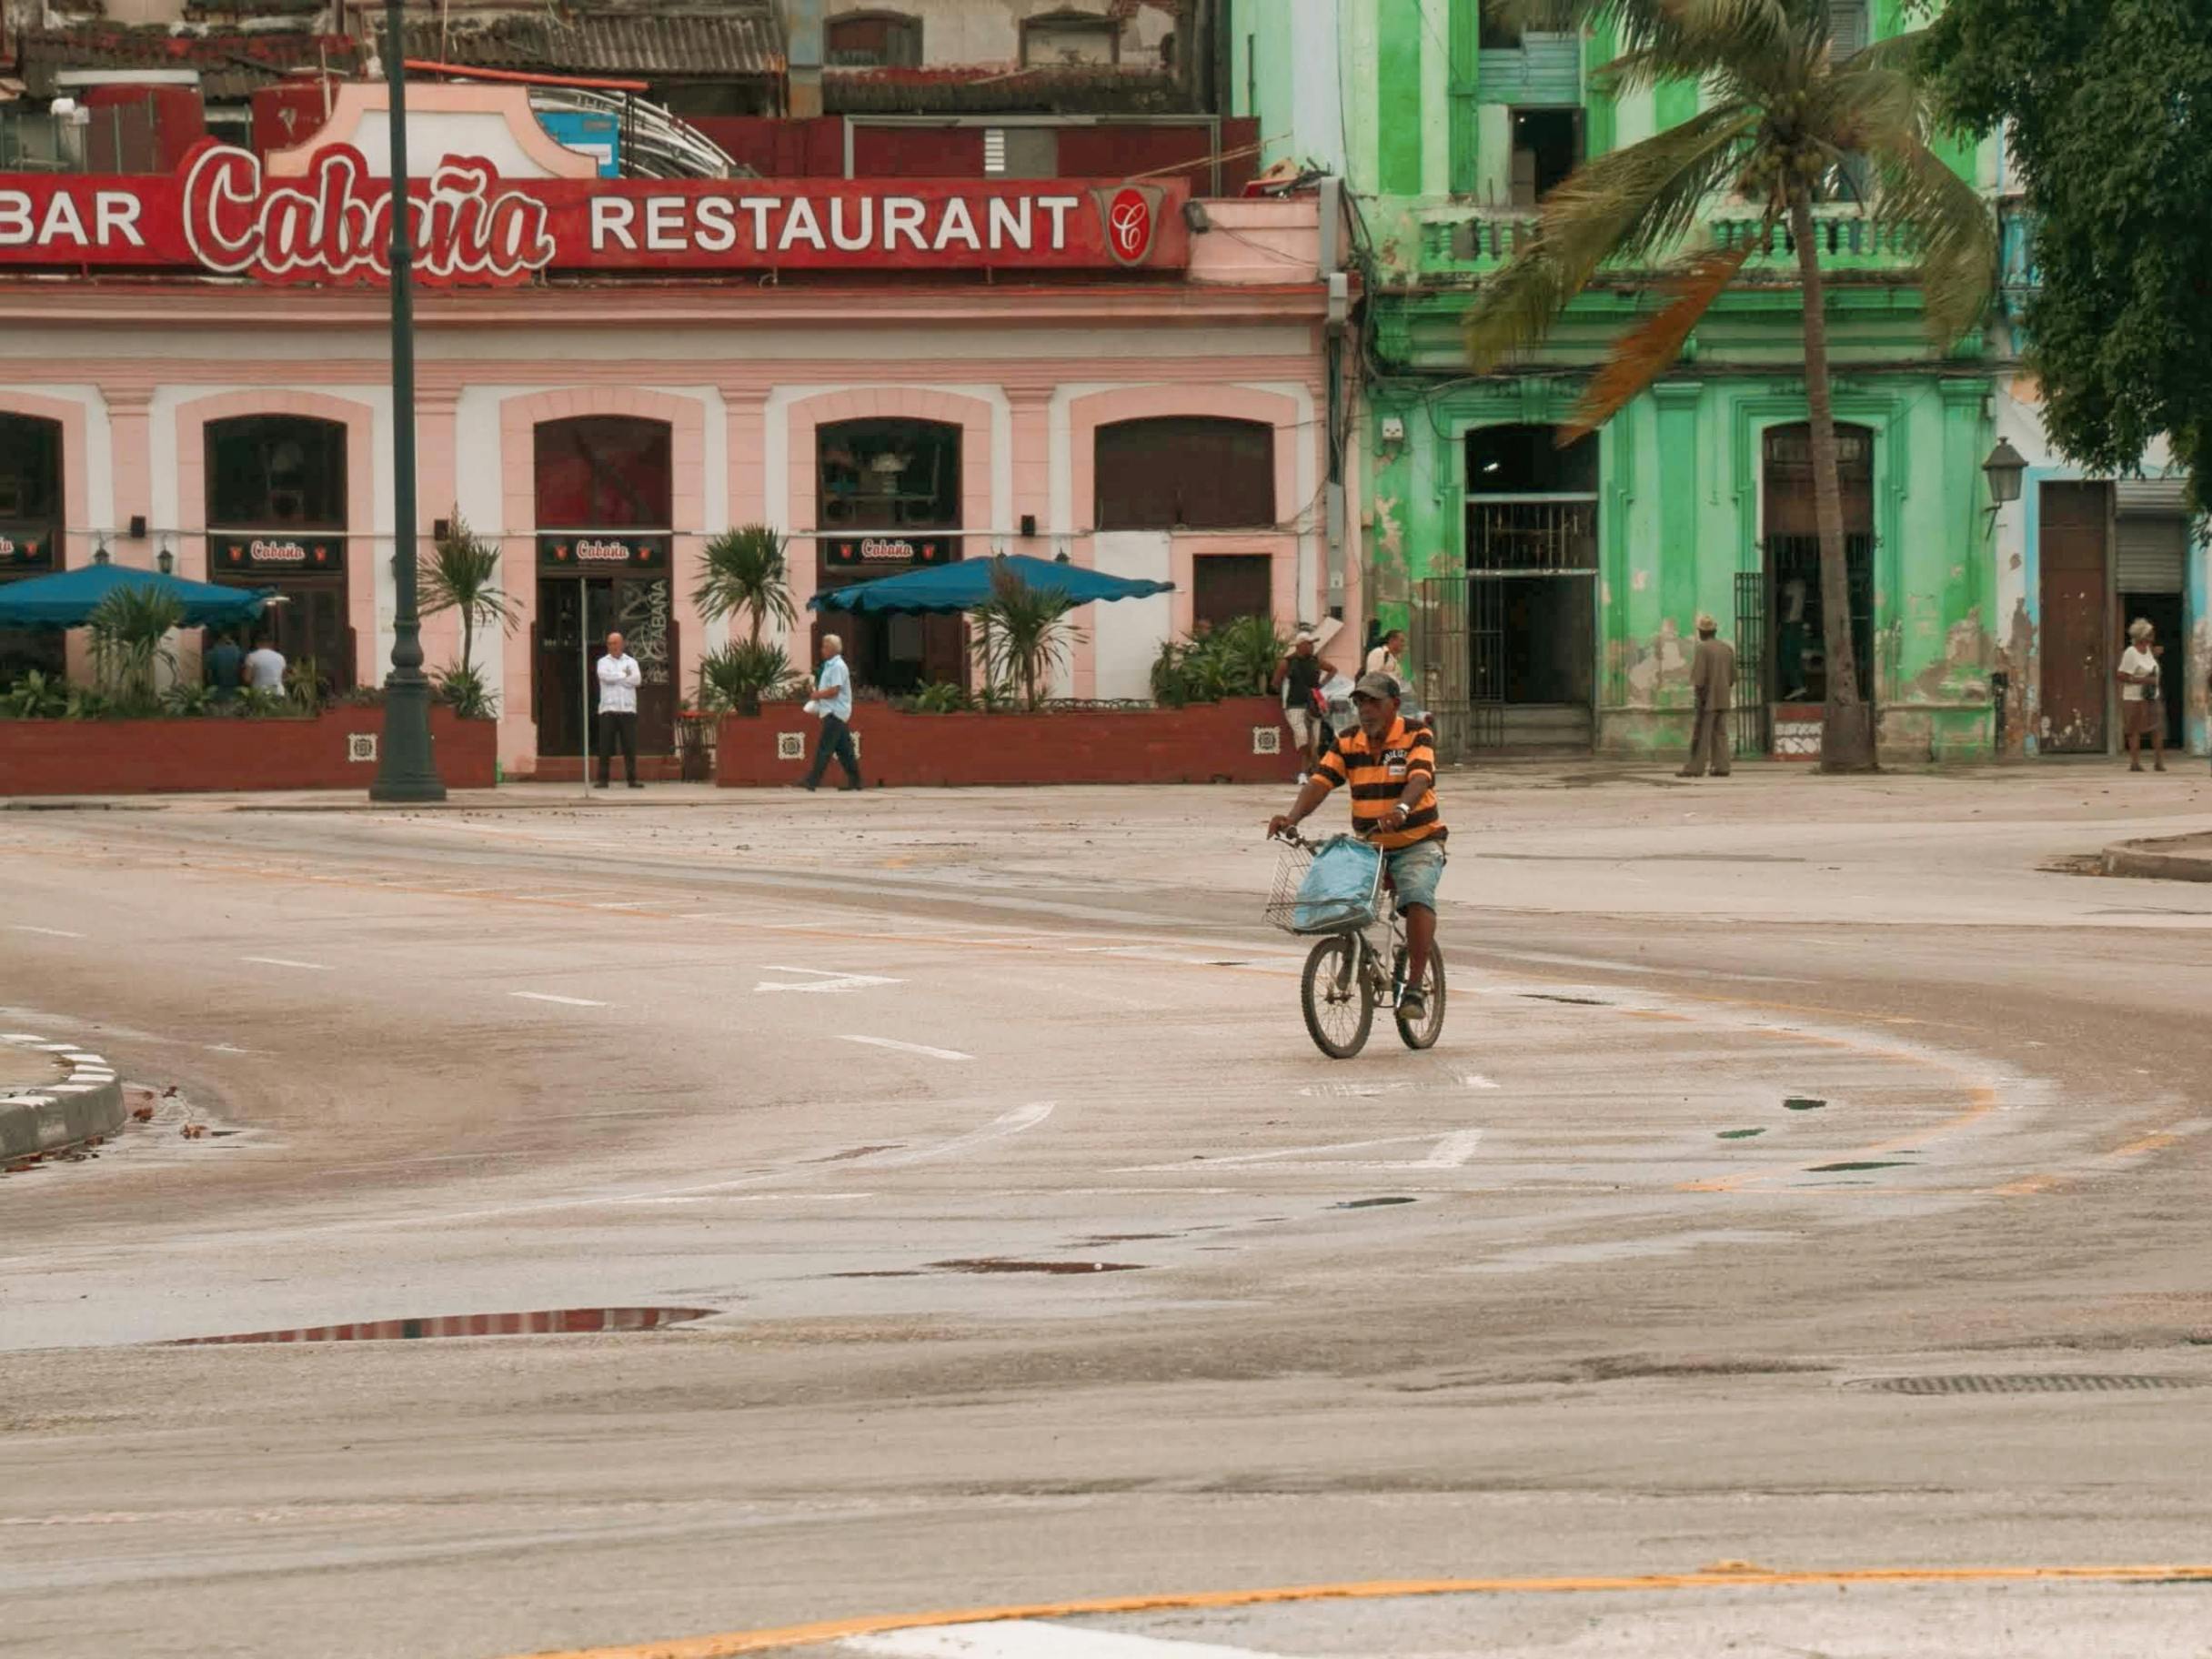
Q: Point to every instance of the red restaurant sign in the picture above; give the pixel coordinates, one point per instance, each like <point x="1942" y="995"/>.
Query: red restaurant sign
<point x="221" y="215"/>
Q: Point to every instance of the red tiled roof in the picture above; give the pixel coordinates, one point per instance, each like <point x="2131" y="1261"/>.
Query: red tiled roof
<point x="231" y="65"/>
<point x="734" y="42"/>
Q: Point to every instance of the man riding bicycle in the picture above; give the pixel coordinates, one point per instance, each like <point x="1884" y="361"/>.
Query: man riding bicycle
<point x="1391" y="764"/>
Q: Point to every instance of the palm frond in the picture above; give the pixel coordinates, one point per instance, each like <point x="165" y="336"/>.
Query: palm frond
<point x="1956" y="231"/>
<point x="1651" y="347"/>
<point x="1631" y="204"/>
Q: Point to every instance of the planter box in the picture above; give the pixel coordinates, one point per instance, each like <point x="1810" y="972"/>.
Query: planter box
<point x="336" y="749"/>
<point x="1243" y="741"/>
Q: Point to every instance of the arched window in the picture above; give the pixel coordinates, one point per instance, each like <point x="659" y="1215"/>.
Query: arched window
<point x="889" y="475"/>
<point x="277" y="472"/>
<point x="1193" y="472"/>
<point x="604" y="472"/>
<point x="872" y="40"/>
<point x="30" y="494"/>
<point x="30" y="534"/>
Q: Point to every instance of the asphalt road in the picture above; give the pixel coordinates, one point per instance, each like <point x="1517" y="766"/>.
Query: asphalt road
<point x="1042" y="1258"/>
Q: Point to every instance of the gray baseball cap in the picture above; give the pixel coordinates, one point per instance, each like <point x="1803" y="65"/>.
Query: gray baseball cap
<point x="1375" y="684"/>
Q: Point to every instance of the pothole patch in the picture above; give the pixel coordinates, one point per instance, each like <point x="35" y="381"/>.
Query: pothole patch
<point x="2051" y="1383"/>
<point x="544" y="1322"/>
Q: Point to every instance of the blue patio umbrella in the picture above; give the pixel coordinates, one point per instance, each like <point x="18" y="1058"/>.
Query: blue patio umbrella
<point x="964" y="584"/>
<point x="68" y="597"/>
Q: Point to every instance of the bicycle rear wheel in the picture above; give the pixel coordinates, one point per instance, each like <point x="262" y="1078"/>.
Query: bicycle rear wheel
<point x="1424" y="1032"/>
<point x="1339" y="1002"/>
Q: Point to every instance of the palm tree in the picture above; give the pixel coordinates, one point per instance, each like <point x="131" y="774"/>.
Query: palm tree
<point x="1022" y="633"/>
<point x="1783" y="109"/>
<point x="746" y="572"/>
<point x="462" y="573"/>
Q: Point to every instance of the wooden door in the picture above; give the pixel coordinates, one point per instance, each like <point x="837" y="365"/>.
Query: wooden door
<point x="2076" y="652"/>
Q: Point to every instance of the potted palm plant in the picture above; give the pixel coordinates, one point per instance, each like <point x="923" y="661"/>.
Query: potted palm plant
<point x="461" y="573"/>
<point x="130" y="629"/>
<point x="1023" y="635"/>
<point x="745" y="574"/>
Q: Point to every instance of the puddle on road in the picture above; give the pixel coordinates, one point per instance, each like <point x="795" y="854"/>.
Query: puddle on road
<point x="1001" y="1264"/>
<point x="1856" y="1164"/>
<point x="1802" y="1102"/>
<point x="1370" y="1203"/>
<point x="549" y="1322"/>
<point x="1740" y="1134"/>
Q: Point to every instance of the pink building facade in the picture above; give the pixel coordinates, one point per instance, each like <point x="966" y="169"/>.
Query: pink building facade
<point x="600" y="431"/>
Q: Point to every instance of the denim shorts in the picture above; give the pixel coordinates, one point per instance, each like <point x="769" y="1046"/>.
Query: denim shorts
<point x="1417" y="870"/>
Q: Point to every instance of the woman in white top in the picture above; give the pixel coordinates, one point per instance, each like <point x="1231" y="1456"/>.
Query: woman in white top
<point x="1383" y="659"/>
<point x="2142" y="705"/>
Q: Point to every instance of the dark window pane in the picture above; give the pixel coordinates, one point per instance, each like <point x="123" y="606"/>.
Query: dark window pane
<point x="277" y="472"/>
<point x="1190" y="472"/>
<point x="604" y="472"/>
<point x="30" y="470"/>
<point x="885" y="474"/>
<point x="1226" y="586"/>
<point x="1528" y="460"/>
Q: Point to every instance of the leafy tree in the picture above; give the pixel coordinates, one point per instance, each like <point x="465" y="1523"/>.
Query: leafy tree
<point x="747" y="573"/>
<point x="2107" y="108"/>
<point x="1784" y="110"/>
<point x="462" y="573"/>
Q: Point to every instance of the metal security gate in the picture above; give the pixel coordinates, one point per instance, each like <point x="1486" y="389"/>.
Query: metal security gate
<point x="1755" y="693"/>
<point x="1486" y="662"/>
<point x="1439" y="642"/>
<point x="1797" y="558"/>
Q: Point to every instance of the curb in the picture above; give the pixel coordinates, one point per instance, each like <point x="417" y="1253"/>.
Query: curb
<point x="2160" y="860"/>
<point x="54" y="1118"/>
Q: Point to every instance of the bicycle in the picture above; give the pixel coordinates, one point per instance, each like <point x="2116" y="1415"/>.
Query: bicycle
<point x="1345" y="980"/>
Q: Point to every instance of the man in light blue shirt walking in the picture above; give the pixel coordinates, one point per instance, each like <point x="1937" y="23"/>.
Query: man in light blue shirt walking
<point x="833" y="702"/>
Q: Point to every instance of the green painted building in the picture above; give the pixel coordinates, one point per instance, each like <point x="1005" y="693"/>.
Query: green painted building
<point x="1550" y="593"/>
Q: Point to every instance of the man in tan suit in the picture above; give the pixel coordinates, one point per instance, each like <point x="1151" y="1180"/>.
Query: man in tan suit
<point x="1711" y="678"/>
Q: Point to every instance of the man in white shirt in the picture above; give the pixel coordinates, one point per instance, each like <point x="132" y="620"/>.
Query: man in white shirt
<point x="619" y="678"/>
<point x="264" y="667"/>
<point x="832" y="701"/>
<point x="2142" y="707"/>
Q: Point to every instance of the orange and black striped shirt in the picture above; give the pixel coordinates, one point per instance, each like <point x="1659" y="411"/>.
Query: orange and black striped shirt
<point x="1378" y="772"/>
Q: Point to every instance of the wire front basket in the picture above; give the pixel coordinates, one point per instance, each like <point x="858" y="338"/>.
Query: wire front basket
<point x="1330" y="888"/>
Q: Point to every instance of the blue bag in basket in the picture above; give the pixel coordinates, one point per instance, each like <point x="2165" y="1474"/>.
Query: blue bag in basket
<point x="1339" y="889"/>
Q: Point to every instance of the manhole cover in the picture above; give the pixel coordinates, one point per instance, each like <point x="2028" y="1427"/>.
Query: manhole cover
<point x="2052" y="1384"/>
<point x="545" y="1321"/>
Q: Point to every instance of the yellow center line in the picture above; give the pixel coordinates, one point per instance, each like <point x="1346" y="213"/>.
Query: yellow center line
<point x="729" y="1644"/>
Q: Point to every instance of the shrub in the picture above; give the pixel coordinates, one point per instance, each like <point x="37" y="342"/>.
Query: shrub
<point x="130" y="629"/>
<point x="941" y="696"/>
<point x="35" y="697"/>
<point x="463" y="690"/>
<point x="735" y="679"/>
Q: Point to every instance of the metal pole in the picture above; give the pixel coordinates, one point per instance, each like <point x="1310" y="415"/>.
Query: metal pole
<point x="406" y="769"/>
<point x="583" y="646"/>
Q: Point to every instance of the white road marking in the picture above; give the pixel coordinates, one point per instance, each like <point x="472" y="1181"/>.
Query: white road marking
<point x="228" y="1048"/>
<point x="25" y="927"/>
<point x="1027" y="1639"/>
<point x="907" y="1048"/>
<point x="285" y="962"/>
<point x="1450" y="1152"/>
<point x="825" y="980"/>
<point x="547" y="996"/>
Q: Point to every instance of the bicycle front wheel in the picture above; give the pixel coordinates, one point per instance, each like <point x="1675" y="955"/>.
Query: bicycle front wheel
<point x="1424" y="1032"/>
<point x="1339" y="1002"/>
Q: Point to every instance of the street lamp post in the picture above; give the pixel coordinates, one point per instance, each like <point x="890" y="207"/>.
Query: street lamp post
<point x="406" y="769"/>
